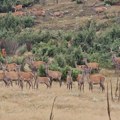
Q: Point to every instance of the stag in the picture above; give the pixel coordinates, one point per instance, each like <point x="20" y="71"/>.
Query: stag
<point x="53" y="74"/>
<point x="69" y="80"/>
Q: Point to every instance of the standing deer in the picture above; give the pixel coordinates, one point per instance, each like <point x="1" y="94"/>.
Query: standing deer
<point x="2" y="78"/>
<point x="26" y="76"/>
<point x="10" y="76"/>
<point x="115" y="60"/>
<point x="69" y="80"/>
<point x="80" y="80"/>
<point x="95" y="79"/>
<point x="53" y="74"/>
<point x="91" y="65"/>
<point x="42" y="80"/>
<point x="79" y="67"/>
<point x="34" y="64"/>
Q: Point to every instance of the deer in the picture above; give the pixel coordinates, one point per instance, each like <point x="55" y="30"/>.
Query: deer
<point x="115" y="60"/>
<point x="2" y="78"/>
<point x="42" y="80"/>
<point x="95" y="79"/>
<point x="53" y="74"/>
<point x="38" y="12"/>
<point x="79" y="67"/>
<point x="19" y="13"/>
<point x="34" y="64"/>
<point x="10" y="76"/>
<point x="17" y="7"/>
<point x="69" y="80"/>
<point x="80" y="80"/>
<point x="99" y="9"/>
<point x="92" y="65"/>
<point x="27" y="77"/>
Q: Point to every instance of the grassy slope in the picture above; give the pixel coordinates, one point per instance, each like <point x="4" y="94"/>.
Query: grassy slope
<point x="77" y="15"/>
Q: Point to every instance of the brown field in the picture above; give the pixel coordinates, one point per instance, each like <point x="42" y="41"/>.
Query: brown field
<point x="69" y="105"/>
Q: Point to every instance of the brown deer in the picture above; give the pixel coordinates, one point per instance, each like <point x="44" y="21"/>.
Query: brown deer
<point x="11" y="67"/>
<point x="116" y="61"/>
<point x="42" y="80"/>
<point x="2" y="78"/>
<point x="19" y="13"/>
<point x="38" y="12"/>
<point x="98" y="9"/>
<point x="95" y="79"/>
<point x="92" y="65"/>
<point x="34" y="64"/>
<point x="53" y="74"/>
<point x="79" y="67"/>
<point x="27" y="77"/>
<point x="10" y="76"/>
<point x="69" y="80"/>
<point x="17" y="7"/>
<point x="80" y="80"/>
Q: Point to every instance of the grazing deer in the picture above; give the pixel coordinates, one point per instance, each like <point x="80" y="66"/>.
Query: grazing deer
<point x="17" y="7"/>
<point x="53" y="74"/>
<point x="95" y="79"/>
<point x="69" y="80"/>
<point x="92" y="65"/>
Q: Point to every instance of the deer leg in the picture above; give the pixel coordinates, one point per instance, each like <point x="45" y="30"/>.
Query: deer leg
<point x="71" y="86"/>
<point x="11" y="82"/>
<point x="6" y="82"/>
<point x="80" y="86"/>
<point x="60" y="81"/>
<point x="83" y="87"/>
<point x="51" y="82"/>
<point x="21" y="84"/>
<point x="102" y="86"/>
<point x="90" y="86"/>
<point x="35" y="84"/>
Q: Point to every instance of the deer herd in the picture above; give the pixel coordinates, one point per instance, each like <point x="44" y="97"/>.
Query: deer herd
<point x="11" y="72"/>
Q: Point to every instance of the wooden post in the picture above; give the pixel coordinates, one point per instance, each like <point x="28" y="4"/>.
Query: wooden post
<point x="108" y="104"/>
<point x="111" y="91"/>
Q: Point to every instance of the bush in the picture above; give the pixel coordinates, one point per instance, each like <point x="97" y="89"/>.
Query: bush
<point x="75" y="74"/>
<point x="41" y="71"/>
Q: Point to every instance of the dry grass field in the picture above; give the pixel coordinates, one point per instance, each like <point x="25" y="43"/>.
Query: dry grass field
<point x="69" y="105"/>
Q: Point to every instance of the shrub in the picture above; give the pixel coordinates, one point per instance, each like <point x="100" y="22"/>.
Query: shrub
<point x="41" y="71"/>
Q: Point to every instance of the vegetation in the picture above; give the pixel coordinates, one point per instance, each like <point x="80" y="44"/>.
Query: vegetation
<point x="93" y="40"/>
